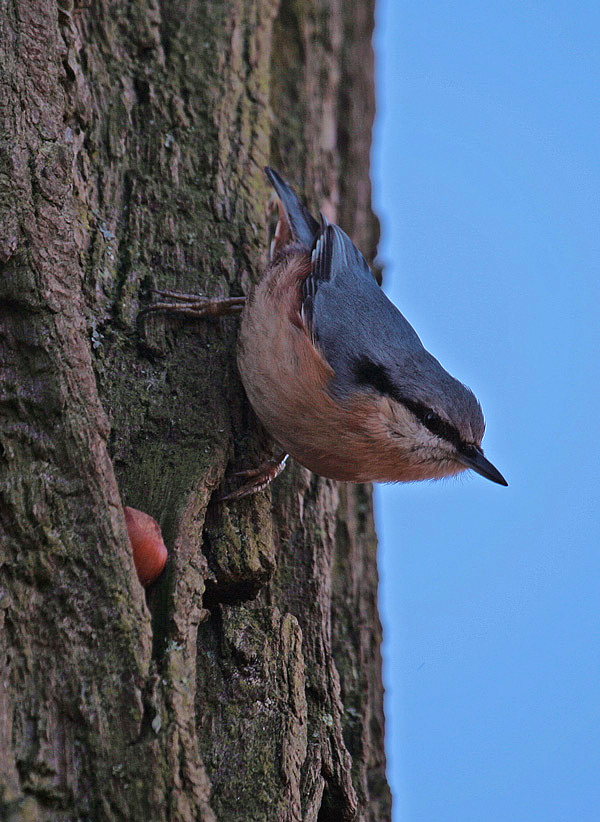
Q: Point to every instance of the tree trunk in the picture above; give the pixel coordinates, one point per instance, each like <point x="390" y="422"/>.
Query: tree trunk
<point x="246" y="683"/>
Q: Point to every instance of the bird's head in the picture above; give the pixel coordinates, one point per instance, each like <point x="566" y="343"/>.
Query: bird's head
<point x="435" y="422"/>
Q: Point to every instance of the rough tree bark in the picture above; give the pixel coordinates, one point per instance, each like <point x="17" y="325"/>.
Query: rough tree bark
<point x="247" y="683"/>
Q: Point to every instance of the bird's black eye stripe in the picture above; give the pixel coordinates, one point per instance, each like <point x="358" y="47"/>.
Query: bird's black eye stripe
<point x="367" y="372"/>
<point x="433" y="422"/>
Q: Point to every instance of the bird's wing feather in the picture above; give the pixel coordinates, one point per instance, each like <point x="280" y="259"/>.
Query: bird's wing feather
<point x="334" y="259"/>
<point x="348" y="314"/>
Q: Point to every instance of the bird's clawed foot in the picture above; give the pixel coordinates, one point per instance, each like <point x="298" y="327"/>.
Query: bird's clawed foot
<point x="192" y="305"/>
<point x="258" y="478"/>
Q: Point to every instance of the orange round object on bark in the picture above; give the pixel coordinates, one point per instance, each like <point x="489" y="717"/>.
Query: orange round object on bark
<point x="149" y="551"/>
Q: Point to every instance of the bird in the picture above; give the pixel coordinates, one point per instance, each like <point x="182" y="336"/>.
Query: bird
<point x="338" y="376"/>
<point x="333" y="370"/>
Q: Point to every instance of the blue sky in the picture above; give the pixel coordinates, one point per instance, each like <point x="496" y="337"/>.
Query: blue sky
<point x="486" y="166"/>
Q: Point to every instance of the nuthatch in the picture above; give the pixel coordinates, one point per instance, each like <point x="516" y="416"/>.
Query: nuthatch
<point x="336" y="374"/>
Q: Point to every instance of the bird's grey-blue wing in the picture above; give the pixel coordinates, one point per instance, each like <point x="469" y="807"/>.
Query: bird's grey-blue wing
<point x="350" y="317"/>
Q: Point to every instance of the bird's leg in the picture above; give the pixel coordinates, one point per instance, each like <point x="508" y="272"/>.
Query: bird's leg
<point x="258" y="478"/>
<point x="192" y="305"/>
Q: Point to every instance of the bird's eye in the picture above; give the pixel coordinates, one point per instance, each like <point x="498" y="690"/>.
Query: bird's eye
<point x="438" y="426"/>
<point x="432" y="421"/>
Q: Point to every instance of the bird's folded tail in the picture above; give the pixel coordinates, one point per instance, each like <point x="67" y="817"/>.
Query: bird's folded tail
<point x="303" y="226"/>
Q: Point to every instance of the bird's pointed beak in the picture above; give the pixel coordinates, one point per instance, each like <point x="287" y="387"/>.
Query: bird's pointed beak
<point x="477" y="462"/>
